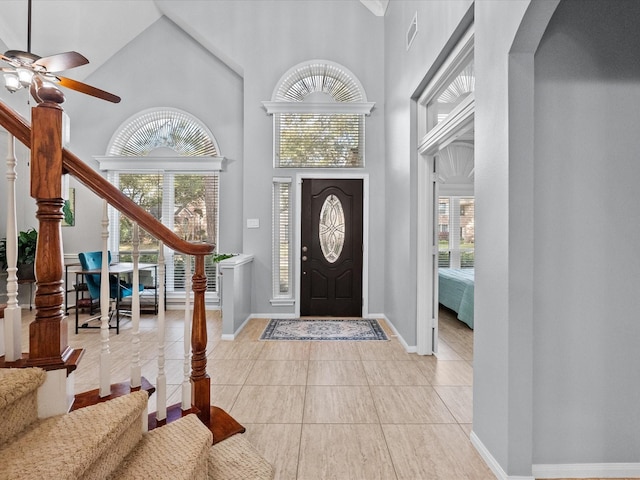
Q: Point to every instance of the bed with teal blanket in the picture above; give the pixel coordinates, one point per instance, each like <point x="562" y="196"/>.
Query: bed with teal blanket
<point x="455" y="291"/>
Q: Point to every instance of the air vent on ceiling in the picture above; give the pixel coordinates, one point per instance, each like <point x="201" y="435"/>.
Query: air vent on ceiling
<point x="413" y="30"/>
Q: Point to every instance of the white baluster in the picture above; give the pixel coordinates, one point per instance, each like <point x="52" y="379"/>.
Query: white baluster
<point x="136" y="368"/>
<point x="161" y="382"/>
<point x="12" y="315"/>
<point x="105" y="354"/>
<point x="186" y="383"/>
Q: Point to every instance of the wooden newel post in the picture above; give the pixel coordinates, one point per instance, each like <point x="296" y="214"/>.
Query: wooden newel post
<point x="200" y="381"/>
<point x="48" y="346"/>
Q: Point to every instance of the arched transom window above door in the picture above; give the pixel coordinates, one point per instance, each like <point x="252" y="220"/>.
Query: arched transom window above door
<point x="318" y="110"/>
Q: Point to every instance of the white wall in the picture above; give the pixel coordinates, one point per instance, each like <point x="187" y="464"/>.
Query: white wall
<point x="264" y="40"/>
<point x="556" y="324"/>
<point x="255" y="43"/>
<point x="501" y="422"/>
<point x="586" y="390"/>
<point x="163" y="66"/>
<point x="555" y="330"/>
<point x="502" y="351"/>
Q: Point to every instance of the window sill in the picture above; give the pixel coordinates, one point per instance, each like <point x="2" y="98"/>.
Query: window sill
<point x="282" y="302"/>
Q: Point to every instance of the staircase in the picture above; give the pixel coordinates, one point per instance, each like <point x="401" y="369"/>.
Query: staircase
<point x="104" y="439"/>
<point x="108" y="441"/>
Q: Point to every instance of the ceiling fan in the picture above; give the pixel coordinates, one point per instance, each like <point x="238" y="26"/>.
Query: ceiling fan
<point x="41" y="74"/>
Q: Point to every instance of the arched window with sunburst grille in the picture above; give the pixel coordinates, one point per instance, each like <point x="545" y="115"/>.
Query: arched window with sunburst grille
<point x="319" y="109"/>
<point x="453" y="94"/>
<point x="167" y="161"/>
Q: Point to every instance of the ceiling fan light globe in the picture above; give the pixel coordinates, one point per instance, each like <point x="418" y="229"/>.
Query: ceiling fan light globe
<point x="25" y="76"/>
<point x="12" y="82"/>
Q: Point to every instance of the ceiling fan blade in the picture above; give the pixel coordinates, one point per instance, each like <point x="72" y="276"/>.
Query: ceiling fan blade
<point x="62" y="61"/>
<point x="88" y="89"/>
<point x="25" y="57"/>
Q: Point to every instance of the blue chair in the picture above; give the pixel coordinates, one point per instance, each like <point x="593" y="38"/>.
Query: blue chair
<point x="117" y="289"/>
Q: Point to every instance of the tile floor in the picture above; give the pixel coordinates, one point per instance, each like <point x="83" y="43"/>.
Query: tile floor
<point x="320" y="410"/>
<point x="323" y="410"/>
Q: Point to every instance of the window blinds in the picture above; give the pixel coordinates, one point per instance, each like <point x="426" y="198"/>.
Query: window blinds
<point x="319" y="140"/>
<point x="187" y="204"/>
<point x="456" y="232"/>
<point x="281" y="211"/>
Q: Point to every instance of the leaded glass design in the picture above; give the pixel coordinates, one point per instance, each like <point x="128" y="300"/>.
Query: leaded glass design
<point x="332" y="228"/>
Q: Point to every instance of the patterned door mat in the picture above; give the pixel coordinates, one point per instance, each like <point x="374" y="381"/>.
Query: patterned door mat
<point x="320" y="329"/>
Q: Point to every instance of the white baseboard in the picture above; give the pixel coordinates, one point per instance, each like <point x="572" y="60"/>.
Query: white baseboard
<point x="405" y="345"/>
<point x="587" y="470"/>
<point x="579" y="470"/>
<point x="492" y="463"/>
<point x="232" y="336"/>
<point x="273" y="315"/>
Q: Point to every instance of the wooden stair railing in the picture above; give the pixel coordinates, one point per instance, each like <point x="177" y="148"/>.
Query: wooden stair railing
<point x="48" y="345"/>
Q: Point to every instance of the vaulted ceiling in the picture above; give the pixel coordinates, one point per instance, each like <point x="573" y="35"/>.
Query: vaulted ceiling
<point x="98" y="28"/>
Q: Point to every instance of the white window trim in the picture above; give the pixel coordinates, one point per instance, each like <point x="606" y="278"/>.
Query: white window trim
<point x="462" y="116"/>
<point x="456" y="58"/>
<point x="163" y="163"/>
<point x="362" y="108"/>
<point x="459" y="122"/>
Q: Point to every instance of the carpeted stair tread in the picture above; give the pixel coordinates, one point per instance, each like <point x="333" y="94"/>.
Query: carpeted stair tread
<point x="17" y="382"/>
<point x="88" y="443"/>
<point x="18" y="399"/>
<point x="237" y="459"/>
<point x="176" y="451"/>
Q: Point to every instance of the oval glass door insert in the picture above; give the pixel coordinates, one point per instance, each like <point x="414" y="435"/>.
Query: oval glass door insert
<point x="331" y="228"/>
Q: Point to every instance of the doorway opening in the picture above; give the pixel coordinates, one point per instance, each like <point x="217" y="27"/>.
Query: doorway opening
<point x="445" y="121"/>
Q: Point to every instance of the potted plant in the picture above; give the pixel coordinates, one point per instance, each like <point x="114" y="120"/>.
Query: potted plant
<point x="27" y="241"/>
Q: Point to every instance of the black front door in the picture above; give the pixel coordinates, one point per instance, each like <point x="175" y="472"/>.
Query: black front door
<point x="331" y="256"/>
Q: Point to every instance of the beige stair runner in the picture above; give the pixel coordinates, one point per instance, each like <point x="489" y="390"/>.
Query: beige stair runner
<point x="105" y="441"/>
